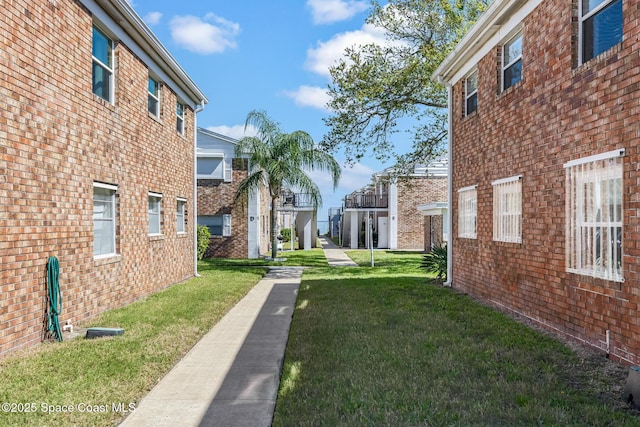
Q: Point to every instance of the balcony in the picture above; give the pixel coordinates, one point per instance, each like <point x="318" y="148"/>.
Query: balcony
<point x="366" y="201"/>
<point x="292" y="201"/>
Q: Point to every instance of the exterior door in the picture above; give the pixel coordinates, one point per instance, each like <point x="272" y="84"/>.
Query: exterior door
<point x="383" y="232"/>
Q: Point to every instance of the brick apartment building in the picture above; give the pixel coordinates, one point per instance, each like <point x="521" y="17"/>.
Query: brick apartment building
<point x="97" y="147"/>
<point x="237" y="230"/>
<point x="393" y="210"/>
<point x="545" y="162"/>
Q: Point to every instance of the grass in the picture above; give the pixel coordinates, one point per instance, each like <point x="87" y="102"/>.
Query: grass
<point x="89" y="376"/>
<point x="382" y="346"/>
<point x="308" y="258"/>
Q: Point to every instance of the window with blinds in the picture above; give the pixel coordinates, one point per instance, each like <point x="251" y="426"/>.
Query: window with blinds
<point x="594" y="216"/>
<point x="467" y="212"/>
<point x="507" y="209"/>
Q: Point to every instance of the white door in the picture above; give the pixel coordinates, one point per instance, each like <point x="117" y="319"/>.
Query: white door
<point x="383" y="232"/>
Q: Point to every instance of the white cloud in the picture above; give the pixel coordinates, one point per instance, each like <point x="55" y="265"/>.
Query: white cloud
<point x="212" y="34"/>
<point x="328" y="11"/>
<point x="310" y="96"/>
<point x="236" y="131"/>
<point x="327" y="53"/>
<point x="152" y="18"/>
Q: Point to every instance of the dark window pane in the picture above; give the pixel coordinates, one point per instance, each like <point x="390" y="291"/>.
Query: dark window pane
<point x="472" y="103"/>
<point x="602" y="31"/>
<point x="513" y="74"/>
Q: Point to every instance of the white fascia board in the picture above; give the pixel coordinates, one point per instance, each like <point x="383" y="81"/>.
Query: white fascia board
<point x="218" y="136"/>
<point x="125" y="24"/>
<point x="501" y="20"/>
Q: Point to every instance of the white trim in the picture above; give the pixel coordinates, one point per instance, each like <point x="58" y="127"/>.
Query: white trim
<point x="181" y="199"/>
<point x="505" y="180"/>
<point x="153" y="194"/>
<point x="106" y="186"/>
<point x="602" y="156"/>
<point x="471" y="187"/>
<point x="497" y="23"/>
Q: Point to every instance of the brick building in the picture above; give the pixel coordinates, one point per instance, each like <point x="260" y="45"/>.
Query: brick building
<point x="392" y="208"/>
<point x="237" y="230"/>
<point x="544" y="105"/>
<point x="97" y="146"/>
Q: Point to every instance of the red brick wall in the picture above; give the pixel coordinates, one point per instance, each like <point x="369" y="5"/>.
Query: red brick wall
<point x="558" y="112"/>
<point x="56" y="139"/>
<point x="418" y="190"/>
<point x="215" y="197"/>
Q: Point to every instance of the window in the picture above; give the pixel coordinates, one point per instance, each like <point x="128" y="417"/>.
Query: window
<point x="512" y="62"/>
<point x="154" y="97"/>
<point x="102" y="65"/>
<point x="155" y="213"/>
<point x="228" y="170"/>
<point x="210" y="166"/>
<point x="507" y="210"/>
<point x="471" y="93"/>
<point x="594" y="216"/>
<point x="181" y="205"/>
<point x="180" y="118"/>
<point x="218" y="225"/>
<point x="600" y="26"/>
<point x="468" y="212"/>
<point x="104" y="219"/>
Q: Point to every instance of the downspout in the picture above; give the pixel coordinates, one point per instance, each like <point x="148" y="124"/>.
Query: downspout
<point x="195" y="187"/>
<point x="449" y="281"/>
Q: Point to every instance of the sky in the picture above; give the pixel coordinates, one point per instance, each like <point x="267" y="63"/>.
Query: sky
<point x="266" y="55"/>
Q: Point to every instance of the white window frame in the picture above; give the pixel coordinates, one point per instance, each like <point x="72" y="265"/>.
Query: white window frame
<point x="153" y="99"/>
<point x="180" y="108"/>
<point x="582" y="18"/>
<point x="469" y="94"/>
<point x="155" y="214"/>
<point x="468" y="212"/>
<point x="181" y="223"/>
<point x="226" y="225"/>
<point x="507" y="209"/>
<point x="592" y="183"/>
<point x="506" y="66"/>
<point x="108" y="68"/>
<point x="219" y="156"/>
<point x="111" y="190"/>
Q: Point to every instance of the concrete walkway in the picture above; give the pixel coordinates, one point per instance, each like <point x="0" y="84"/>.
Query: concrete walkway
<point x="335" y="256"/>
<point x="231" y="376"/>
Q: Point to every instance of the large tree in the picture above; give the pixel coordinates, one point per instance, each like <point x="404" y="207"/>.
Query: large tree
<point x="375" y="86"/>
<point x="280" y="161"/>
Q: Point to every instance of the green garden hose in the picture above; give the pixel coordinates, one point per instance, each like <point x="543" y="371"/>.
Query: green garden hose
<point x="55" y="298"/>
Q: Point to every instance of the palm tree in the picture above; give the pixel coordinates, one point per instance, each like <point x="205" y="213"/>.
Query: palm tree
<point x="278" y="161"/>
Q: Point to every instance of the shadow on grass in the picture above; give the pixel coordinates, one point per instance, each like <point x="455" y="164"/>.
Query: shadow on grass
<point x="388" y="350"/>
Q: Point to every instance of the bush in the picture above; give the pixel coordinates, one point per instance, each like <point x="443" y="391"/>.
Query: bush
<point x="286" y="233"/>
<point x="436" y="261"/>
<point x="204" y="235"/>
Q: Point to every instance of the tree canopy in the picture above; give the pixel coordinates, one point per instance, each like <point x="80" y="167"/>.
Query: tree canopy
<point x="375" y="86"/>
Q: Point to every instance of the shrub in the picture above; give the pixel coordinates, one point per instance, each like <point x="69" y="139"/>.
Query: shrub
<point x="436" y="261"/>
<point x="286" y="233"/>
<point x="204" y="235"/>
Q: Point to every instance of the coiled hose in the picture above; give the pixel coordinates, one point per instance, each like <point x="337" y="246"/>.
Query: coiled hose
<point x="55" y="298"/>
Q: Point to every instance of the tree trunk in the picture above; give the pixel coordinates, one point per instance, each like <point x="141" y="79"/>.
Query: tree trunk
<point x="274" y="226"/>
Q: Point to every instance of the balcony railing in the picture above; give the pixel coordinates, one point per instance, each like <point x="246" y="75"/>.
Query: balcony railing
<point x="296" y="200"/>
<point x="360" y="201"/>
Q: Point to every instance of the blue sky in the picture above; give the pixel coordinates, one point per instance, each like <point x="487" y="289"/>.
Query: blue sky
<point x="265" y="55"/>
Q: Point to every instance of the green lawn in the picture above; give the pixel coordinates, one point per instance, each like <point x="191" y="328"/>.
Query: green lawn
<point x="83" y="375"/>
<point x="384" y="347"/>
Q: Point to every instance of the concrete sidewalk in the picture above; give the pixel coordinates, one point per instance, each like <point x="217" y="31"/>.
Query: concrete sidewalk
<point x="231" y="376"/>
<point x="335" y="256"/>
